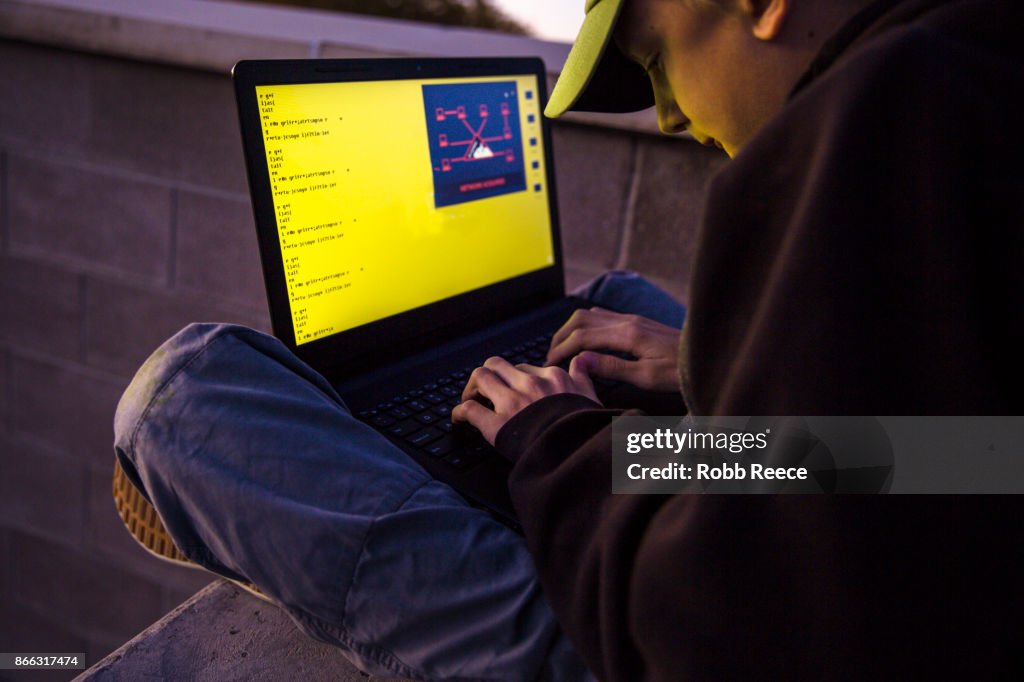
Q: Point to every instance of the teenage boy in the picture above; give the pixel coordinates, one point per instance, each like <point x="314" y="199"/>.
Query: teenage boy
<point x="860" y="255"/>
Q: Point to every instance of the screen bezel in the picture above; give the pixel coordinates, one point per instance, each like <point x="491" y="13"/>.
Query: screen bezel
<point x="360" y="349"/>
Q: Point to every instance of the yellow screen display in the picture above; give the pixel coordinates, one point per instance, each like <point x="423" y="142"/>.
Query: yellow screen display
<point x="391" y="195"/>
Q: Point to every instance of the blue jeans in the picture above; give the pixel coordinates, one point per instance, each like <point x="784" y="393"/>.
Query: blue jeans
<point x="260" y="473"/>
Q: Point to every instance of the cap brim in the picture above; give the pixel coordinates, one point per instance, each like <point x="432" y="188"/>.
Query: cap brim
<point x="596" y="75"/>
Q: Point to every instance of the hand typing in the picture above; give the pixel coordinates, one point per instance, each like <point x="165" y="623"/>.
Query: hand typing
<point x="510" y="388"/>
<point x="654" y="346"/>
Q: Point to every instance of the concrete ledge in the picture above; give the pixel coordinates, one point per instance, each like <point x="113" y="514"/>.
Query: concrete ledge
<point x="212" y="35"/>
<point x="223" y="633"/>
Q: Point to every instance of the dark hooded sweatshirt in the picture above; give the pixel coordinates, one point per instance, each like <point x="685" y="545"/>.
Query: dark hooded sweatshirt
<point x="864" y="254"/>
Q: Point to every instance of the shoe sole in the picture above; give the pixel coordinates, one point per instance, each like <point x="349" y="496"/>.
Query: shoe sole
<point x="143" y="523"/>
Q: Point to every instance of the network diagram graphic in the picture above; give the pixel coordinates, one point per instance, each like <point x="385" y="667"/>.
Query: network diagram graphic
<point x="476" y="147"/>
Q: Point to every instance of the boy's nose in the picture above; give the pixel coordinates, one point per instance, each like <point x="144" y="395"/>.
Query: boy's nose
<point x="671" y="119"/>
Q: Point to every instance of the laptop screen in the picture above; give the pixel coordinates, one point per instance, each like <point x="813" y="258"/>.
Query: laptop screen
<point x="392" y="195"/>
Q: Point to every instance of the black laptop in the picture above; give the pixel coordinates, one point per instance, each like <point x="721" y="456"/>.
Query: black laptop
<point x="408" y="230"/>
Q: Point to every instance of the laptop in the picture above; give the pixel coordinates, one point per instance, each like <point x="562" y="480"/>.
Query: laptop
<point x="408" y="230"/>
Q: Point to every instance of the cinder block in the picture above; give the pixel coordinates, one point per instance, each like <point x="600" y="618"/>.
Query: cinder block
<point x="576" y="276"/>
<point x="125" y="324"/>
<point x="26" y="631"/>
<point x="217" y="250"/>
<point x="51" y="90"/>
<point x="96" y="220"/>
<point x="593" y="169"/>
<point x="107" y="538"/>
<point x="4" y="239"/>
<point x="668" y="210"/>
<point x="41" y="493"/>
<point x="65" y="406"/>
<point x="165" y="121"/>
<point x="5" y="390"/>
<point x="5" y="568"/>
<point x="96" y="597"/>
<point x="40" y="307"/>
<point x="179" y="124"/>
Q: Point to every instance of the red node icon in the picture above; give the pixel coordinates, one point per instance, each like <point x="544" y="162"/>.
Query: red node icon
<point x="483" y="111"/>
<point x="461" y="111"/>
<point x="439" y="114"/>
<point x="443" y="139"/>
<point x="446" y="165"/>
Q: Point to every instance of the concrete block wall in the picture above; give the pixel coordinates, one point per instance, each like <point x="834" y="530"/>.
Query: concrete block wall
<point x="122" y="219"/>
<point x="124" y="215"/>
<point x="630" y="201"/>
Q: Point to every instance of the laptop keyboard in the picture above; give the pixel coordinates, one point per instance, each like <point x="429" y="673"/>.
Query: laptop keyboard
<point x="422" y="417"/>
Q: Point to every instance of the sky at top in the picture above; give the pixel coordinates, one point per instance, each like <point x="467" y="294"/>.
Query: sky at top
<point x="548" y="19"/>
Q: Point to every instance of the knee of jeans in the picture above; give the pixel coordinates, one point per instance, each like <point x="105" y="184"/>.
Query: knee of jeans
<point x="605" y="279"/>
<point x="161" y="366"/>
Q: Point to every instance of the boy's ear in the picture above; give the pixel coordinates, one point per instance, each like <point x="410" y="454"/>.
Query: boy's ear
<point x="767" y="16"/>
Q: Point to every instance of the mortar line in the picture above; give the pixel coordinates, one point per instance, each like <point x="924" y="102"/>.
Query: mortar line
<point x="172" y="242"/>
<point x="629" y="215"/>
<point x="126" y="173"/>
<point x="5" y="202"/>
<point x="86" y="517"/>
<point x="83" y="322"/>
<point x="8" y="370"/>
<point x="64" y="364"/>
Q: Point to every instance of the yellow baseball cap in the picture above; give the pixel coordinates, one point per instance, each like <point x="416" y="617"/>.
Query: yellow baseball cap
<point x="596" y="75"/>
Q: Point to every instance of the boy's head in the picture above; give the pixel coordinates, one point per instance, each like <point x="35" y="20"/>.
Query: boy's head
<point x="717" y="68"/>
